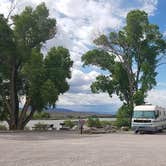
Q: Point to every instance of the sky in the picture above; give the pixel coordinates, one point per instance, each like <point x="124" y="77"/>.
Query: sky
<point x="78" y="23"/>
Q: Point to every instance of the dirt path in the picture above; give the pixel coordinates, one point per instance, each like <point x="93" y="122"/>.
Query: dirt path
<point x="62" y="149"/>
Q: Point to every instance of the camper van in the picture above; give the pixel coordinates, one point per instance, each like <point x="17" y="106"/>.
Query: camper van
<point x="148" y="118"/>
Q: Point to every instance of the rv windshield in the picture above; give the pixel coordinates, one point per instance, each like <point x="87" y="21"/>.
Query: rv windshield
<point x="144" y="114"/>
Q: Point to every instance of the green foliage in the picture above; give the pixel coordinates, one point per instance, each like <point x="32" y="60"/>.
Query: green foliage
<point x="139" y="98"/>
<point x="123" y="116"/>
<point x="24" y="70"/>
<point x="69" y="123"/>
<point x="49" y="92"/>
<point x="94" y="122"/>
<point x="58" y="64"/>
<point x="33" y="27"/>
<point x="41" y="115"/>
<point x="137" y="48"/>
<point x="105" y="123"/>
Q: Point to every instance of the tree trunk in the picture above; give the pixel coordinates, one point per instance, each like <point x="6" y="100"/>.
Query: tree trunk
<point x="13" y="99"/>
<point x="25" y="118"/>
<point x="23" y="115"/>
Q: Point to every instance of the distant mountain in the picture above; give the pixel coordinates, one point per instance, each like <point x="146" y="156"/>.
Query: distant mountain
<point x="61" y="113"/>
<point x="62" y="110"/>
<point x="99" y="109"/>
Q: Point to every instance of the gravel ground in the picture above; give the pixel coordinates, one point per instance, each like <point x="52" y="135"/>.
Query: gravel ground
<point x="72" y="149"/>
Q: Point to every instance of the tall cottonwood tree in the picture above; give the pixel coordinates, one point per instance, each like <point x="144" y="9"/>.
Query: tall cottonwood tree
<point x="131" y="56"/>
<point x="24" y="71"/>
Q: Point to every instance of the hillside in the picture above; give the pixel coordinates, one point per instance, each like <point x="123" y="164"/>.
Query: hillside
<point x="61" y="113"/>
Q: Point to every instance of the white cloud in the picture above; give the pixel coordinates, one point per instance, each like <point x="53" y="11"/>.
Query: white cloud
<point x="149" y="6"/>
<point x="88" y="99"/>
<point x="157" y="97"/>
<point x="80" y="81"/>
<point x="164" y="33"/>
<point x="78" y="21"/>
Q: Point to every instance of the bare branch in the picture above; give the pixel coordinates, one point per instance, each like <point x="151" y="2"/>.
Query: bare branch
<point x="12" y="8"/>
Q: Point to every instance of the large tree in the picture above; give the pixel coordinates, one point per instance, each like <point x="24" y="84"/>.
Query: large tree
<point x="130" y="56"/>
<point x="25" y="73"/>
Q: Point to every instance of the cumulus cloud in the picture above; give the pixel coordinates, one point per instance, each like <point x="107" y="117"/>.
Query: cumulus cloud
<point x="79" y="20"/>
<point x="157" y="97"/>
<point x="88" y="99"/>
<point x="78" y="23"/>
<point x="149" y="6"/>
<point x="80" y="81"/>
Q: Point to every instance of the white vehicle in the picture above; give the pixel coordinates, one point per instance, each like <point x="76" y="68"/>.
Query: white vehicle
<point x="148" y="118"/>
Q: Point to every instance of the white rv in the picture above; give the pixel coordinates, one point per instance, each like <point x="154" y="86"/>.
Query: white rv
<point x="148" y="118"/>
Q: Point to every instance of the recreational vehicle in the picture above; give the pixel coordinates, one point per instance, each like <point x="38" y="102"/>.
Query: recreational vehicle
<point x="148" y="118"/>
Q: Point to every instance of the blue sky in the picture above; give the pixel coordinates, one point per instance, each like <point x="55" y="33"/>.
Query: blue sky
<point x="159" y="19"/>
<point x="78" y="23"/>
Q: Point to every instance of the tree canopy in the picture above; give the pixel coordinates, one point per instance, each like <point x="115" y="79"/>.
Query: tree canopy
<point x="131" y="56"/>
<point x="24" y="71"/>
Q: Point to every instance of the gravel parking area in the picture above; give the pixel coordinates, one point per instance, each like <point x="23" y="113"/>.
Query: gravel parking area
<point x="72" y="149"/>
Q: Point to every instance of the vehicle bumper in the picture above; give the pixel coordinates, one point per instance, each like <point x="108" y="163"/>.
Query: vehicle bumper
<point x="144" y="128"/>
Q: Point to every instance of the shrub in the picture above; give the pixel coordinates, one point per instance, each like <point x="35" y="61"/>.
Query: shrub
<point x="123" y="116"/>
<point x="94" y="122"/>
<point x="69" y="123"/>
<point x="104" y="123"/>
<point x="3" y="127"/>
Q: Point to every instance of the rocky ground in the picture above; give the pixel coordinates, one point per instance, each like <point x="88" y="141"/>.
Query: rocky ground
<point x="72" y="149"/>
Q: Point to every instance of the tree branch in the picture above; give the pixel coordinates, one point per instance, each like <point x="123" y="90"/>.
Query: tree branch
<point x="8" y="106"/>
<point x="12" y="7"/>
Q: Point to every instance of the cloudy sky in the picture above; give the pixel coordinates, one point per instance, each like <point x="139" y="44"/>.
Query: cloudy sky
<point x="79" y="22"/>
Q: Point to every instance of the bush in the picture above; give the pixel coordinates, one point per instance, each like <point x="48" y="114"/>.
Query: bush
<point x="69" y="123"/>
<point x="123" y="116"/>
<point x="105" y="123"/>
<point x="3" y="127"/>
<point x="94" y="122"/>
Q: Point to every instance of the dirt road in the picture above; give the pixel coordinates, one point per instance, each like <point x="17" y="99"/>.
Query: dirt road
<point x="60" y="149"/>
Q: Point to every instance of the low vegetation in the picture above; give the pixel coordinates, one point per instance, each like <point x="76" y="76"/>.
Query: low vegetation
<point x="123" y="117"/>
<point x="69" y="123"/>
<point x="105" y="123"/>
<point x="94" y="122"/>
